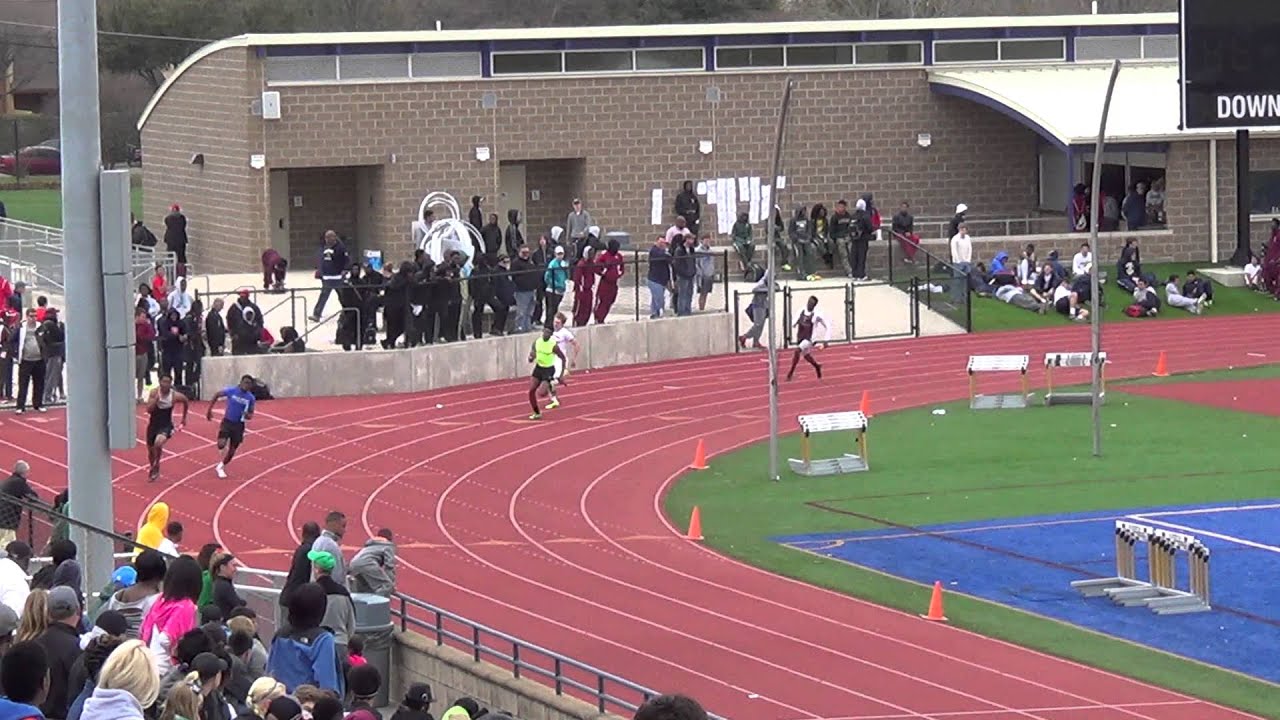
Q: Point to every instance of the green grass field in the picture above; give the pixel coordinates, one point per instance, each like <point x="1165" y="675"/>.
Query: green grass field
<point x="929" y="469"/>
<point x="991" y="314"/>
<point x="42" y="203"/>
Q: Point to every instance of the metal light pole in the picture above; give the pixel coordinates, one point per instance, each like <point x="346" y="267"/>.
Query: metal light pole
<point x="1095" y="315"/>
<point x="88" y="453"/>
<point x="771" y="277"/>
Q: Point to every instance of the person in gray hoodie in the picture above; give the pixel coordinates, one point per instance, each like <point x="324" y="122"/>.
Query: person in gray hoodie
<point x="577" y="224"/>
<point x="373" y="569"/>
<point x="330" y="541"/>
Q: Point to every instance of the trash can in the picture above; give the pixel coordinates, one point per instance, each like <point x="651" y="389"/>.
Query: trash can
<point x="623" y="238"/>
<point x="373" y="623"/>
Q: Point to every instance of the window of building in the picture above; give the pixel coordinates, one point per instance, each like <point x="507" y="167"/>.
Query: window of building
<point x="1126" y="47"/>
<point x="755" y="57"/>
<point x="373" y="67"/>
<point x="810" y="55"/>
<point x="446" y="65"/>
<point x="527" y="63"/>
<point x="671" y="59"/>
<point x="598" y="61"/>
<point x="289" y="69"/>
<point x="1044" y="49"/>
<point x="966" y="51"/>
<point x="1160" y="47"/>
<point x="908" y="53"/>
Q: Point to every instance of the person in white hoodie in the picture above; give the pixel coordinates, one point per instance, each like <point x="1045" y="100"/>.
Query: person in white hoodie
<point x="180" y="299"/>
<point x="13" y="576"/>
<point x="1082" y="263"/>
<point x="962" y="261"/>
<point x="127" y="685"/>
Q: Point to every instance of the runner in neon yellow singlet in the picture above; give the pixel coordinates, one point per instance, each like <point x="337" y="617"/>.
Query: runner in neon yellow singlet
<point x="543" y="355"/>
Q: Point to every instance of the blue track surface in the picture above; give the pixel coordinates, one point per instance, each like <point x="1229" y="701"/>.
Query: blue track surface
<point x="1029" y="563"/>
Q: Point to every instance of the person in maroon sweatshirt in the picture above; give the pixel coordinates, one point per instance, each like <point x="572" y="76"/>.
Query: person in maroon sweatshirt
<point x="609" y="266"/>
<point x="584" y="279"/>
<point x="144" y="334"/>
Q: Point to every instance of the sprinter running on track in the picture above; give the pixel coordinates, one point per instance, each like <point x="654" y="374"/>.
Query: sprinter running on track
<point x="566" y="342"/>
<point x="160" y="420"/>
<point x="809" y="317"/>
<point x="543" y="355"/>
<point x="240" y="404"/>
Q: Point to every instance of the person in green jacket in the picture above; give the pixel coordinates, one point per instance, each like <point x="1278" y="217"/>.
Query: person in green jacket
<point x="742" y="241"/>
<point x="204" y="558"/>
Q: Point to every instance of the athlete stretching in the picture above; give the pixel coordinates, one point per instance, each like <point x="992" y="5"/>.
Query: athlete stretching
<point x="543" y="356"/>
<point x="809" y="317"/>
<point x="240" y="403"/>
<point x="160" y="420"/>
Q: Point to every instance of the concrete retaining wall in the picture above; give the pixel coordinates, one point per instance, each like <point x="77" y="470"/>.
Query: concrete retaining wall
<point x="381" y="372"/>
<point x="453" y="674"/>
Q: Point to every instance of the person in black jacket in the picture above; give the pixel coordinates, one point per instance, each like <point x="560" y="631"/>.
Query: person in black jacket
<point x="194" y="323"/>
<point x="484" y="294"/>
<point x="175" y="235"/>
<point x="395" y="303"/>
<point x="476" y="215"/>
<point x="18" y="488"/>
<point x="841" y="231"/>
<point x="684" y="267"/>
<point x="330" y="270"/>
<point x="222" y="568"/>
<point x="688" y="206"/>
<point x="422" y="323"/>
<point x="171" y="338"/>
<point x="453" y="329"/>
<point x="300" y="566"/>
<point x="860" y="241"/>
<point x="215" y="329"/>
<point x="526" y="277"/>
<point x="244" y="323"/>
<point x="491" y="236"/>
<point x="61" y="643"/>
<point x="55" y="342"/>
<point x="513" y="238"/>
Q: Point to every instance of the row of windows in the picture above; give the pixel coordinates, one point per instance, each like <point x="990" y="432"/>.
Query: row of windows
<point x="335" y="68"/>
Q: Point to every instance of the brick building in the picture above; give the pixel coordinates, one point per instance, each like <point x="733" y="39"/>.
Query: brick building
<point x="997" y="113"/>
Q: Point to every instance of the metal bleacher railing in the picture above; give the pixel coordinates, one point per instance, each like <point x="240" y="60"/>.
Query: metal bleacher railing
<point x="39" y="524"/>
<point x="32" y="253"/>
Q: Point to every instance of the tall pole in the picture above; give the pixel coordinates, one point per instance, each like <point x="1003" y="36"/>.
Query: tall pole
<point x="1095" y="315"/>
<point x="771" y="277"/>
<point x="88" y="453"/>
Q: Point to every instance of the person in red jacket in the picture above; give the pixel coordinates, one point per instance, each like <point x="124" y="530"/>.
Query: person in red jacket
<point x="609" y="266"/>
<point x="584" y="280"/>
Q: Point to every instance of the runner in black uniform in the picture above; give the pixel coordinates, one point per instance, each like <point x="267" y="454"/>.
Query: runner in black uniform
<point x="809" y="318"/>
<point x="160" y="420"/>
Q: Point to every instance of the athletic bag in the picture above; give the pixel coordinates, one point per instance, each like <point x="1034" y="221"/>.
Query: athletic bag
<point x="1135" y="310"/>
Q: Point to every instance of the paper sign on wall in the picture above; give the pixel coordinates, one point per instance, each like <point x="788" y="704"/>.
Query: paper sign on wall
<point x="702" y="187"/>
<point x="766" y="202"/>
<point x="780" y="182"/>
<point x="655" y="209"/>
<point x="713" y="191"/>
<point x="744" y="189"/>
<point x="728" y="206"/>
<point x="754" y="212"/>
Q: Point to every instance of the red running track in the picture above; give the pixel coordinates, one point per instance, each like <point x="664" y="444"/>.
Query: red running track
<point x="553" y="531"/>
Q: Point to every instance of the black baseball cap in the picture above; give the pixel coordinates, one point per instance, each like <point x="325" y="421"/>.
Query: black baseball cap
<point x="208" y="666"/>
<point x="18" y="550"/>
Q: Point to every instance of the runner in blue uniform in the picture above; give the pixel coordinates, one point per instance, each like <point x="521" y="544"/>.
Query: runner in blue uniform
<point x="240" y="403"/>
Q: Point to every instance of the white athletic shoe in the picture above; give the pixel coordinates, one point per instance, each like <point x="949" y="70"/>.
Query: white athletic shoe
<point x="222" y="472"/>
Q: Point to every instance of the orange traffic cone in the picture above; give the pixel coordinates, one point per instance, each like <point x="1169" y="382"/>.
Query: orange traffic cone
<point x="700" y="457"/>
<point x="864" y="407"/>
<point x="935" y="605"/>
<point x="1162" y="365"/>
<point x="695" y="525"/>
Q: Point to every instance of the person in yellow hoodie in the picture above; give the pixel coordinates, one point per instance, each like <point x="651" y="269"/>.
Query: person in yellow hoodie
<point x="151" y="532"/>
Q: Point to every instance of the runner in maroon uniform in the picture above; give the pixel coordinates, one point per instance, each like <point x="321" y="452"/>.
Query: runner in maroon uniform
<point x="809" y="317"/>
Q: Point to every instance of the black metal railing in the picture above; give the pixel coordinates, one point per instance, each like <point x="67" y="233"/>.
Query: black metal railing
<point x="848" y="326"/>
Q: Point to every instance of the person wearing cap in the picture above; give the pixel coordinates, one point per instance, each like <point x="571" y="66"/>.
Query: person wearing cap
<point x="364" y="682"/>
<point x="24" y="674"/>
<point x="110" y="623"/>
<point x="340" y="609"/>
<point x="61" y="643"/>
<point x="207" y="674"/>
<point x="175" y="234"/>
<point x="416" y="703"/>
<point x="222" y="568"/>
<point x="957" y="220"/>
<point x="13" y="576"/>
<point x="576" y="226"/>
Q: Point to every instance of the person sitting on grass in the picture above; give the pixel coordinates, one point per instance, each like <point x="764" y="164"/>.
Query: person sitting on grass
<point x="1129" y="267"/>
<point x="1173" y="295"/>
<point x="1067" y="302"/>
<point x="1014" y="295"/>
<point x="1146" y="303"/>
<point x="1044" y="284"/>
<point x="1198" y="288"/>
<point x="1253" y="273"/>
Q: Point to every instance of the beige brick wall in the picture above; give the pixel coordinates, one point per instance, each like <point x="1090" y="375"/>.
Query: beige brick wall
<point x="328" y="203"/>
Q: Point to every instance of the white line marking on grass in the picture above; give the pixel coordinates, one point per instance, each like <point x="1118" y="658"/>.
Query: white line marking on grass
<point x="1205" y="533"/>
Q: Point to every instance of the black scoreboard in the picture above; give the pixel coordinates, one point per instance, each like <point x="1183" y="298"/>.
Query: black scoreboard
<point x="1230" y="63"/>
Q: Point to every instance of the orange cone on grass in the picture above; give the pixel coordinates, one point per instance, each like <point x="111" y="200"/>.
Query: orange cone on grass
<point x="700" y="456"/>
<point x="935" y="613"/>
<point x="1162" y="365"/>
<point x="695" y="525"/>
<point x="864" y="407"/>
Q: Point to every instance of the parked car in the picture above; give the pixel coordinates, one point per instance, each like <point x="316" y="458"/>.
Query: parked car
<point x="34" y="160"/>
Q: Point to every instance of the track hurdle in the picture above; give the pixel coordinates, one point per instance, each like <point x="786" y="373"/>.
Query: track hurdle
<point x="832" y="422"/>
<point x="1159" y="592"/>
<point x="993" y="364"/>
<point x="1072" y="360"/>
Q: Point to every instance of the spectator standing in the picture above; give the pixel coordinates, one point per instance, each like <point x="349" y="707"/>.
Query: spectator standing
<point x="55" y="342"/>
<point x="13" y="576"/>
<point x="61" y="643"/>
<point x="127" y="685"/>
<point x="476" y="216"/>
<point x="1134" y="208"/>
<point x="340" y="610"/>
<point x="193" y="327"/>
<point x="15" y="490"/>
<point x="179" y="298"/>
<point x="172" y="343"/>
<point x="373" y="569"/>
<point x="684" y="267"/>
<point x="223" y="570"/>
<point x="962" y="214"/>
<point x="330" y="541"/>
<point x="706" y="276"/>
<point x="860" y="242"/>
<point x="513" y="238"/>
<point x="244" y="323"/>
<point x="330" y="270"/>
<point x="904" y="230"/>
<point x="527" y="279"/>
<point x="134" y="602"/>
<point x="491" y="236"/>
<point x="175" y="236"/>
<point x="556" y="277"/>
<point x="576" y="225"/>
<point x="659" y="278"/>
<point x="305" y="654"/>
<point x="10" y="320"/>
<point x="144" y="336"/>
<point x="484" y="293"/>
<point x="743" y="242"/>
<point x="215" y="329"/>
<point x="584" y="279"/>
<point x="962" y="261"/>
<point x="843" y="230"/>
<point x="300" y="566"/>
<point x="422" y="227"/>
<point x="24" y="674"/>
<point x="689" y="207"/>
<point x="32" y="357"/>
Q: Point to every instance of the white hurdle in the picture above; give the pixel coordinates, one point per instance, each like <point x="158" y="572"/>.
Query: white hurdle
<point x="994" y="364"/>
<point x="1072" y="360"/>
<point x="832" y="422"/>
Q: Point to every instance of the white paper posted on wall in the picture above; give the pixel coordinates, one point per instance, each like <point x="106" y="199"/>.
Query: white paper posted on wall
<point x="655" y="208"/>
